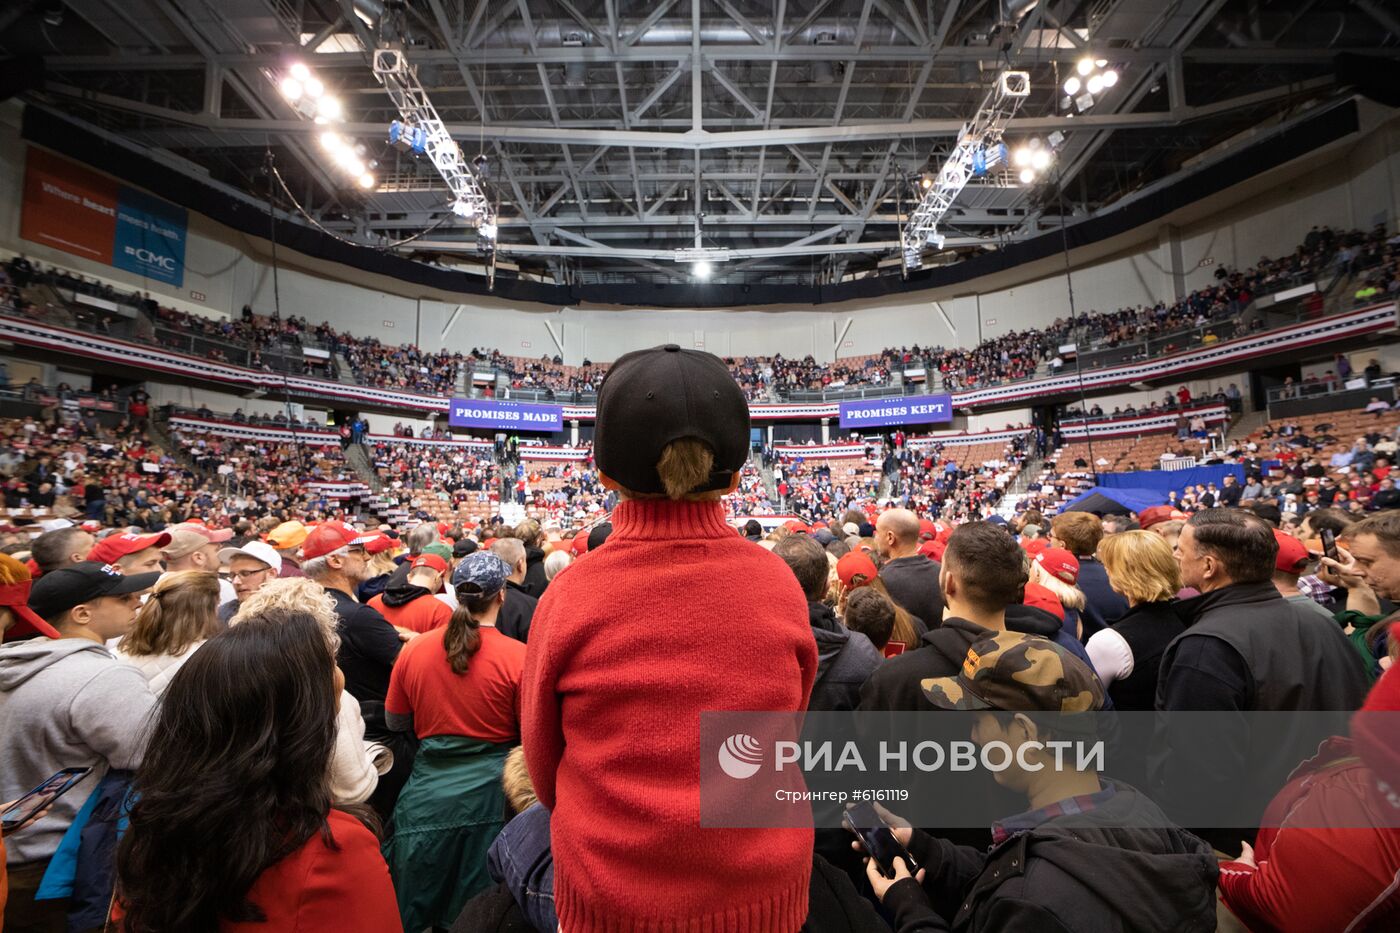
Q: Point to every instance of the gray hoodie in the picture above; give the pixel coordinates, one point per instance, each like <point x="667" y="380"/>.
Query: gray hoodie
<point x="65" y="703"/>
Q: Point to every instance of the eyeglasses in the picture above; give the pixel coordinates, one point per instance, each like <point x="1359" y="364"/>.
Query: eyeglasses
<point x="245" y="575"/>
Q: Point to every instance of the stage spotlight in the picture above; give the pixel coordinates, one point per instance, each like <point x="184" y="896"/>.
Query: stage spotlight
<point x="1072" y="85"/>
<point x="1094" y="85"/>
<point x="1085" y="66"/>
<point x="331" y="142"/>
<point x="925" y="181"/>
<point x="701" y="269"/>
<point x="1021" y="158"/>
<point x="300" y="71"/>
<point x="328" y="108"/>
<point x="291" y="89"/>
<point x="1110" y="78"/>
<point x="314" y="87"/>
<point x="366" y="181"/>
<point x="1040" y="160"/>
<point x="1027" y="176"/>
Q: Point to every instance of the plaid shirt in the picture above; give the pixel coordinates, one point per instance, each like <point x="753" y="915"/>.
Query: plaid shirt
<point x="1003" y="830"/>
<point x="1314" y="588"/>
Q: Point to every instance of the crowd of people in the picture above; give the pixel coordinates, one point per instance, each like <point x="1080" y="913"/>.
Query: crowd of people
<point x="284" y="719"/>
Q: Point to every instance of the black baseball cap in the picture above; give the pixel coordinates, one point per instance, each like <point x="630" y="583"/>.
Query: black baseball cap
<point x="463" y="547"/>
<point x="650" y="398"/>
<point x="599" y="535"/>
<point x="57" y="591"/>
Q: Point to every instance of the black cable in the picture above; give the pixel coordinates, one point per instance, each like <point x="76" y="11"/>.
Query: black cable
<point x="1074" y="322"/>
<point x="292" y="422"/>
<point x="331" y="233"/>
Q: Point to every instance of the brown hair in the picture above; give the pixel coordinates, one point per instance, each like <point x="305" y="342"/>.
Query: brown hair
<point x="903" y="630"/>
<point x="463" y="636"/>
<point x="1243" y="543"/>
<point x="809" y="564"/>
<point x="1080" y="531"/>
<point x="988" y="564"/>
<point x="684" y="465"/>
<point x="871" y="614"/>
<point x="182" y="610"/>
<point x="1385" y="526"/>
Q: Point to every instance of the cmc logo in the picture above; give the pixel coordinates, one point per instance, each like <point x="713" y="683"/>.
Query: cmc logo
<point x="740" y="756"/>
<point x="144" y="255"/>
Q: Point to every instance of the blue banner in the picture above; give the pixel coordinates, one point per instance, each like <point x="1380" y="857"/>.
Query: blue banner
<point x="150" y="237"/>
<point x="880" y="412"/>
<point x="1165" y="481"/>
<point x="505" y="416"/>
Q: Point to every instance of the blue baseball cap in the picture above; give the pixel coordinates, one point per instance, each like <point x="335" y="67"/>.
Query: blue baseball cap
<point x="484" y="569"/>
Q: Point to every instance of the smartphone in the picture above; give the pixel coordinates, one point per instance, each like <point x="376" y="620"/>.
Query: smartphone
<point x="40" y="797"/>
<point x="874" y="833"/>
<point x="1329" y="544"/>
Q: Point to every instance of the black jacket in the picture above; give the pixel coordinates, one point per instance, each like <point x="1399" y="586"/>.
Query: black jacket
<point x="535" y="580"/>
<point x="1105" y="871"/>
<point x="845" y="660"/>
<point x="1102" y="606"/>
<point x="1148" y="628"/>
<point x="369" y="646"/>
<point x="913" y="582"/>
<point x="517" y="613"/>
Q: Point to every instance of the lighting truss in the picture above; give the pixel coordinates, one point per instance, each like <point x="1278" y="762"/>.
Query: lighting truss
<point x="400" y="80"/>
<point x="977" y="146"/>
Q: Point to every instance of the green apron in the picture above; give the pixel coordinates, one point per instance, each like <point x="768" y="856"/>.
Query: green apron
<point x="450" y="811"/>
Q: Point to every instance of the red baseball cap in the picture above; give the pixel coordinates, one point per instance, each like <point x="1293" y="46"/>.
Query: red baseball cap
<point x="1060" y="564"/>
<point x="1039" y="597"/>
<point x="927" y="529"/>
<point x="580" y="544"/>
<point x="931" y="548"/>
<point x="431" y="561"/>
<point x="1292" y="554"/>
<point x="14" y="596"/>
<point x="1034" y="546"/>
<point x="796" y="526"/>
<point x="331" y="536"/>
<point x="1158" y="514"/>
<point x="114" y="547"/>
<point x="855" y="564"/>
<point x="379" y="543"/>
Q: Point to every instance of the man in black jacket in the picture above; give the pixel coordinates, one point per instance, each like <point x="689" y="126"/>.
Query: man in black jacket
<point x="1244" y="649"/>
<point x="845" y="659"/>
<point x="519" y="608"/>
<point x="911" y="578"/>
<point x="1091" y="853"/>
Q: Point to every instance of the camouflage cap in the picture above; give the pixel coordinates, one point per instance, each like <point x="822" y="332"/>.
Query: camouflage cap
<point x="1018" y="673"/>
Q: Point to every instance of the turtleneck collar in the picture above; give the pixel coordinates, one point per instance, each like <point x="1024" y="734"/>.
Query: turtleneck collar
<point x="668" y="520"/>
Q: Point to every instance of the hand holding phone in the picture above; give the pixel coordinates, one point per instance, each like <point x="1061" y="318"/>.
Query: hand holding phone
<point x="1329" y="543"/>
<point x="877" y="839"/>
<point x="29" y="807"/>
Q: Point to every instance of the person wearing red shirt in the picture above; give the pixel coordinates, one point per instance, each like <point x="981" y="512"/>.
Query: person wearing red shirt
<point x="413" y="607"/>
<point x="458" y="689"/>
<point x="239" y="753"/>
<point x="625" y="654"/>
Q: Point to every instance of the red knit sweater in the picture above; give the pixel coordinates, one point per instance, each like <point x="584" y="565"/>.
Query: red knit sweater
<point x="675" y="615"/>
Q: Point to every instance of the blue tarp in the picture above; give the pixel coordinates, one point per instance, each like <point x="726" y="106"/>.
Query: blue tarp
<point x="1165" y="481"/>
<point x="1107" y="500"/>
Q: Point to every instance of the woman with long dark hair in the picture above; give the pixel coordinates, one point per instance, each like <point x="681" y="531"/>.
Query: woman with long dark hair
<point x="458" y="689"/>
<point x="233" y="827"/>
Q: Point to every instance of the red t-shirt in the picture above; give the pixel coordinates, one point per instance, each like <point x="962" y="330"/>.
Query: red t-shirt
<point x="483" y="703"/>
<point x="423" y="614"/>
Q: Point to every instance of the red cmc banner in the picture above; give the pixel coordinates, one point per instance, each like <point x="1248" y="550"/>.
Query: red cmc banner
<point x="68" y="207"/>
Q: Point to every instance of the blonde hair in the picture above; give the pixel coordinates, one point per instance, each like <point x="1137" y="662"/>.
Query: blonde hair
<point x="1071" y="597"/>
<point x="297" y="594"/>
<point x="1140" y="566"/>
<point x="182" y="609"/>
<point x="382" y="563"/>
<point x="515" y="778"/>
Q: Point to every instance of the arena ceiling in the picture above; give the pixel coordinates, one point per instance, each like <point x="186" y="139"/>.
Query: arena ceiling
<point x="792" y="132"/>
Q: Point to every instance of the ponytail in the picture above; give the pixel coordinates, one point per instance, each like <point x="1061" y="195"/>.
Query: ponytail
<point x="463" y="637"/>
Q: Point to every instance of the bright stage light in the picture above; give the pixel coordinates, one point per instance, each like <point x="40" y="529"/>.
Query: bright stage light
<point x="701" y="269"/>
<point x="366" y="181"/>
<point x="1027" y="176"/>
<point x="1085" y="66"/>
<point x="1072" y="85"/>
<point x="1110" y="78"/>
<point x="1021" y="157"/>
<point x="291" y="88"/>
<point x="300" y="71"/>
<point x="1094" y="85"/>
<point x="314" y="87"/>
<point x="331" y="142"/>
<point x="328" y="108"/>
<point x="1040" y="161"/>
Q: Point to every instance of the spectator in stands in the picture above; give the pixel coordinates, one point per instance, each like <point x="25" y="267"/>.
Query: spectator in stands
<point x="911" y="577"/>
<point x="1244" y="649"/>
<point x="61" y="547"/>
<point x="131" y="553"/>
<point x="855" y="570"/>
<point x="1057" y="570"/>
<point x="457" y="689"/>
<point x="530" y="535"/>
<point x="250" y="567"/>
<point x="251" y="717"/>
<point x="1377" y="406"/>
<point x="286" y="539"/>
<point x="412" y="607"/>
<point x="519" y="610"/>
<point x="180" y="615"/>
<point x="67" y="702"/>
<point x="1292" y="562"/>
<point x="871" y="613"/>
<point x="1088" y="854"/>
<point x="1128" y="653"/>
<point x="1080" y="534"/>
<point x="196" y="547"/>
<point x="845" y="659"/>
<point x="555" y="563"/>
<point x="672" y="436"/>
